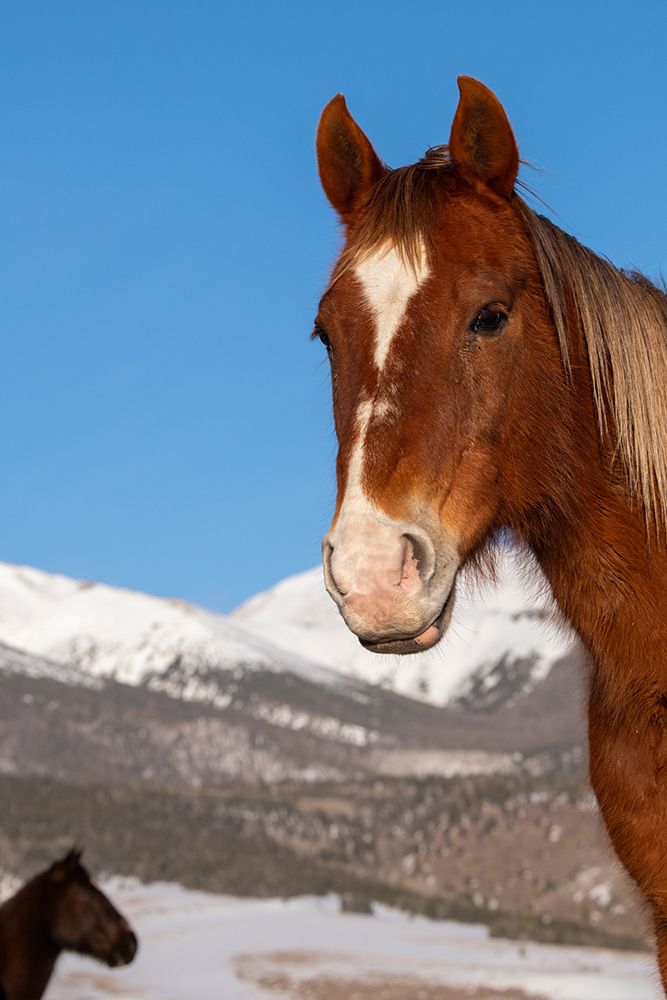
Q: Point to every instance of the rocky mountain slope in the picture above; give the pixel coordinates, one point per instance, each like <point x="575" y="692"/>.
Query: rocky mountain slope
<point x="262" y="725"/>
<point x="138" y="639"/>
<point x="512" y="686"/>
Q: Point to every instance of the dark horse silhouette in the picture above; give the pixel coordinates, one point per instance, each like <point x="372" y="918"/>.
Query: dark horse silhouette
<point x="58" y="910"/>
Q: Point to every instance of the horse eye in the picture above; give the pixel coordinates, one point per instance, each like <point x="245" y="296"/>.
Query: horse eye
<point x="324" y="338"/>
<point x="489" y="321"/>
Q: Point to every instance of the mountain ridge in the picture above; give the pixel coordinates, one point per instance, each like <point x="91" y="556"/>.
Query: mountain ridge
<point x="137" y="638"/>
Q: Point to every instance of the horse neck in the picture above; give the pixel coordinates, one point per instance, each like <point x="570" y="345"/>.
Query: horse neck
<point x="28" y="952"/>
<point x="607" y="567"/>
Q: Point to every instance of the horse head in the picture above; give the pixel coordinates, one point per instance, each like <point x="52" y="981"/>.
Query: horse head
<point x="440" y="342"/>
<point x="81" y="917"/>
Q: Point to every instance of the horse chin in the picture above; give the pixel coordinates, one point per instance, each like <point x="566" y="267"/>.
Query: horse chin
<point x="116" y="961"/>
<point x="427" y="639"/>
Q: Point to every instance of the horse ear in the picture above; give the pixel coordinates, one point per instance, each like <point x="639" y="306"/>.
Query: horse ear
<point x="482" y="146"/>
<point x="72" y="860"/>
<point x="66" y="867"/>
<point x="348" y="164"/>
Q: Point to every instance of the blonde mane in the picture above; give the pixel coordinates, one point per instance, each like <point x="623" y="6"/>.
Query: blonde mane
<point x="622" y="317"/>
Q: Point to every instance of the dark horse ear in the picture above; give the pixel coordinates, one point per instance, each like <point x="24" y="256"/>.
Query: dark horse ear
<point x="348" y="164"/>
<point x="482" y="146"/>
<point x="68" y="864"/>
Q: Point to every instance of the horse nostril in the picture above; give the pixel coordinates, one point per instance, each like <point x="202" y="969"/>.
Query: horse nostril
<point x="423" y="554"/>
<point x="332" y="586"/>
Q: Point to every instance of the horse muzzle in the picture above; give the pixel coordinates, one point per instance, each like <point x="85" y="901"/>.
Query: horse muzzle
<point x="124" y="950"/>
<point x="430" y="636"/>
<point x="393" y="585"/>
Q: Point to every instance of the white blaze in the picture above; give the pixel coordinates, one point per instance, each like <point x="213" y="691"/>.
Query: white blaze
<point x="367" y="544"/>
<point x="384" y="573"/>
<point x="354" y="496"/>
<point x="389" y="283"/>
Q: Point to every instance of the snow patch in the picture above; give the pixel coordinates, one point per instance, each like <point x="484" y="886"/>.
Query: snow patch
<point x="196" y="946"/>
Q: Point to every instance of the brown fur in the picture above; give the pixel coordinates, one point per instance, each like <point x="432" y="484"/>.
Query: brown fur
<point x="555" y="429"/>
<point x="621" y="318"/>
<point x="59" y="909"/>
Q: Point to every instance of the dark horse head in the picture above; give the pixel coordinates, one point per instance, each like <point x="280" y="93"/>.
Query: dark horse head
<point x="80" y="916"/>
<point x="60" y="909"/>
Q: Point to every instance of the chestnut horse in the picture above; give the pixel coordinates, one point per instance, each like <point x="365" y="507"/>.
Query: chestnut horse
<point x="58" y="910"/>
<point x="489" y="374"/>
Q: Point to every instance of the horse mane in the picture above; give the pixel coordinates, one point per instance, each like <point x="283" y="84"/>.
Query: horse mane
<point x="622" y="316"/>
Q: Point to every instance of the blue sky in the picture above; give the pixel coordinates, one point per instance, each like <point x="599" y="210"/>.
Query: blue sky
<point x="166" y="422"/>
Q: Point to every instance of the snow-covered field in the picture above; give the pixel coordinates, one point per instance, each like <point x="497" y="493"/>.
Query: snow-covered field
<point x="196" y="946"/>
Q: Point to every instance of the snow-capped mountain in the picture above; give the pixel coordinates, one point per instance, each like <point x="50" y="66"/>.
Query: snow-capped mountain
<point x="509" y="623"/>
<point x="251" y="753"/>
<point x="498" y="633"/>
<point x="129" y="636"/>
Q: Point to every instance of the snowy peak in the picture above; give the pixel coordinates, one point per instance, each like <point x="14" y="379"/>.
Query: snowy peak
<point x="128" y="636"/>
<point x="500" y="645"/>
<point x="280" y="689"/>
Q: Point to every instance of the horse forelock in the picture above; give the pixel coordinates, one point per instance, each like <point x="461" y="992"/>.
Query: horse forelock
<point x="402" y="212"/>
